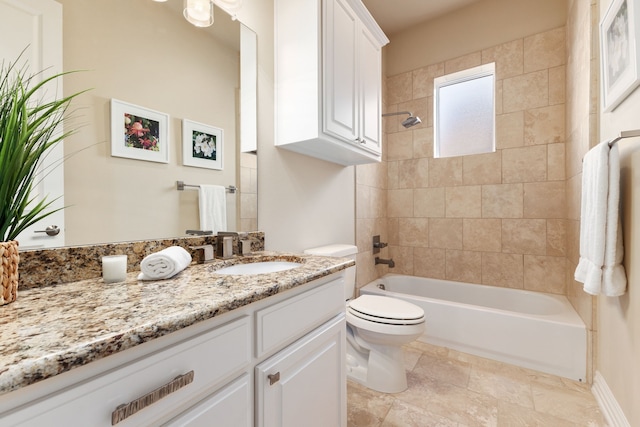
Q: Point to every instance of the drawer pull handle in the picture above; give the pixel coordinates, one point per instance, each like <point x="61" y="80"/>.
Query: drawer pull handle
<point x="124" y="411"/>
<point x="273" y="378"/>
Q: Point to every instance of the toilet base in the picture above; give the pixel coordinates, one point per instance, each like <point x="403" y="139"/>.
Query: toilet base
<point x="379" y="368"/>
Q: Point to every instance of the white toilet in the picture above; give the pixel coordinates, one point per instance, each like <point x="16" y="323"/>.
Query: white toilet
<point x="377" y="328"/>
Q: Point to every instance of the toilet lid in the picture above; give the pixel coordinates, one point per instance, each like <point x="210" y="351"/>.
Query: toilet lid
<point x="381" y="309"/>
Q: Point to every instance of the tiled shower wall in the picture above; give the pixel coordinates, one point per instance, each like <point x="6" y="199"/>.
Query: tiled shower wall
<point x="496" y="219"/>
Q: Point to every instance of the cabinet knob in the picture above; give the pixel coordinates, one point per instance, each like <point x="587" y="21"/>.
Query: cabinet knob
<point x="273" y="378"/>
<point x="360" y="140"/>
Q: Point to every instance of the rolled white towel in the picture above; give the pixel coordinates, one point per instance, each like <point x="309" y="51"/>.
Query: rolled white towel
<point x="164" y="264"/>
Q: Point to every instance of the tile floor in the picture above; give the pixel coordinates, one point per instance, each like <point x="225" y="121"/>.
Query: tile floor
<point x="452" y="389"/>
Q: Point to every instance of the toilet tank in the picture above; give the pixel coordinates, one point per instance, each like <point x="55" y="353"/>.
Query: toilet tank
<point x="340" y="250"/>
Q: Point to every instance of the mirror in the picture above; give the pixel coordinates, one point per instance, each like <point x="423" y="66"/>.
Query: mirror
<point x="146" y="54"/>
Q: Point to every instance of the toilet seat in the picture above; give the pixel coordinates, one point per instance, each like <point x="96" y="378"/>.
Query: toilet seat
<point x="385" y="310"/>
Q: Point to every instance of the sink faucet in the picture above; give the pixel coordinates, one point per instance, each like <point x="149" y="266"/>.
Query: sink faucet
<point x="389" y="262"/>
<point x="207" y="251"/>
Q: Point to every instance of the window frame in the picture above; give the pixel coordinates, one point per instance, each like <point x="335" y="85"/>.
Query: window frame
<point x="485" y="70"/>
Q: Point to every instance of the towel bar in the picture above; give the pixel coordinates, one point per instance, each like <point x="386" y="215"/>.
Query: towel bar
<point x="180" y="186"/>
<point x="625" y="134"/>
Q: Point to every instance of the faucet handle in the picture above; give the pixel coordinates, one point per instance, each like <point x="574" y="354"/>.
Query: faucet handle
<point x="207" y="251"/>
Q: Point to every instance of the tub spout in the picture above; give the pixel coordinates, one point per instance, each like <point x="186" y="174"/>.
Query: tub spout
<point x="389" y="262"/>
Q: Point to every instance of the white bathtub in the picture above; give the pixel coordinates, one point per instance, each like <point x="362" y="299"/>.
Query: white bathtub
<point x="530" y="329"/>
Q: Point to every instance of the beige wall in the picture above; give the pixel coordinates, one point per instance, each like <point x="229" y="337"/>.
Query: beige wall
<point x="161" y="63"/>
<point x="618" y="320"/>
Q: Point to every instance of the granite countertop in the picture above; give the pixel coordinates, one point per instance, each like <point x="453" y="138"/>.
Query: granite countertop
<point x="52" y="329"/>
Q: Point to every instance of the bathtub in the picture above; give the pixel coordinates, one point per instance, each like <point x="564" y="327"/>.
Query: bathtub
<point x="530" y="329"/>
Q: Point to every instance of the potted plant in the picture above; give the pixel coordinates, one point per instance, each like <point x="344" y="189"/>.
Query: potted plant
<point x="29" y="126"/>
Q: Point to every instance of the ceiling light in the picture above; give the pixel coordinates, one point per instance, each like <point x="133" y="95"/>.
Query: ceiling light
<point x="199" y="12"/>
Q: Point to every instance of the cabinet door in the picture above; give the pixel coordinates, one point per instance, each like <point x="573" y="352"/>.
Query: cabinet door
<point x="305" y="384"/>
<point x="370" y="66"/>
<point x="230" y="406"/>
<point x="340" y="71"/>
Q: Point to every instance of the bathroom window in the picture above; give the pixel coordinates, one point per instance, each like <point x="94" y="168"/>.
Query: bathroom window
<point x="464" y="112"/>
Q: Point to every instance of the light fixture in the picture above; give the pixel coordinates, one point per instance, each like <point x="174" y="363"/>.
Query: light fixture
<point x="199" y="12"/>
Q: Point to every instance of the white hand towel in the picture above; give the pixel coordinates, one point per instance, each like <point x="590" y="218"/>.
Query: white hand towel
<point x="213" y="208"/>
<point x="164" y="264"/>
<point x="600" y="234"/>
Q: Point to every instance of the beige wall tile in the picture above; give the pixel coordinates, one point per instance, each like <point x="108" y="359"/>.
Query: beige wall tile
<point x="482" y="169"/>
<point x="463" y="202"/>
<point x="544" y="125"/>
<point x="544" y="50"/>
<point x="508" y="58"/>
<point x="400" y="203"/>
<point x="502" y="201"/>
<point x="526" y="164"/>
<point x="403" y="258"/>
<point x="527" y="91"/>
<point x="414" y="232"/>
<point x="555" y="162"/>
<point x="510" y="130"/>
<point x="445" y="233"/>
<point x="429" y="262"/>
<point x="504" y="270"/>
<point x="400" y="88"/>
<point x="463" y="62"/>
<point x="524" y="236"/>
<point x="423" y="79"/>
<point x="544" y="200"/>
<point x="445" y="171"/>
<point x="484" y="235"/>
<point x="544" y="274"/>
<point x="393" y="230"/>
<point x="392" y="174"/>
<point x="429" y="202"/>
<point x="399" y="146"/>
<point x="413" y="173"/>
<point x="557" y="85"/>
<point x="423" y="142"/>
<point x="464" y="266"/>
<point x="556" y="237"/>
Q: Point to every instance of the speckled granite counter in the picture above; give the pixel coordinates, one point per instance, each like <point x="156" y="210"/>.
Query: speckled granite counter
<point x="52" y="329"/>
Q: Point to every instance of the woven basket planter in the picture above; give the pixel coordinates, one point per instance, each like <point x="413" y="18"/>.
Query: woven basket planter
<point x="9" y="260"/>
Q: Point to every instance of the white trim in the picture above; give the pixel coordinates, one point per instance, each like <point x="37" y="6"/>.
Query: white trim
<point x="608" y="404"/>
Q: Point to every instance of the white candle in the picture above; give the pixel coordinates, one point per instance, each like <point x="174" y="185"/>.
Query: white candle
<point x="114" y="268"/>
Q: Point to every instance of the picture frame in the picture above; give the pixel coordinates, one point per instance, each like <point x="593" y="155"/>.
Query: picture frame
<point x="202" y="145"/>
<point x="139" y="133"/>
<point x="619" y="52"/>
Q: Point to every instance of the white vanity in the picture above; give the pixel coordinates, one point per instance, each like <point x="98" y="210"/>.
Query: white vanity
<point x="270" y="352"/>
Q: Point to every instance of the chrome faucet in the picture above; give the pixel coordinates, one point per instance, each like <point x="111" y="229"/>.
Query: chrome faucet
<point x="389" y="262"/>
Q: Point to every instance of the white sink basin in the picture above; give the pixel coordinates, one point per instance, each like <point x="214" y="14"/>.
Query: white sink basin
<point x="259" y="267"/>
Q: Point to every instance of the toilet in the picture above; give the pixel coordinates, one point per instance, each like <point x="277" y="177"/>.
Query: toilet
<point x="377" y="328"/>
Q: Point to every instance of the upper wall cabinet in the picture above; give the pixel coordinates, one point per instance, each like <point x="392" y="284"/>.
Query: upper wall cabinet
<point x="328" y="80"/>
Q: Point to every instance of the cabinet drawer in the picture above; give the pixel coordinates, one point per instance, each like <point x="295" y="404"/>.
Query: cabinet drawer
<point x="288" y="320"/>
<point x="213" y="357"/>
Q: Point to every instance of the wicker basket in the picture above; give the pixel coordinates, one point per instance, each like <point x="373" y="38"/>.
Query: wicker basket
<point x="9" y="260"/>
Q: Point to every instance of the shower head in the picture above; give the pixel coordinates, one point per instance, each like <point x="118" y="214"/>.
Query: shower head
<point x="409" y="121"/>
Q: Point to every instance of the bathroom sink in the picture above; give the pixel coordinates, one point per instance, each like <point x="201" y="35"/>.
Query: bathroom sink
<point x="259" y="267"/>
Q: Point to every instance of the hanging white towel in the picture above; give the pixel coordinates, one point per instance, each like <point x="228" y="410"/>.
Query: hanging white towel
<point x="601" y="248"/>
<point x="213" y="208"/>
<point x="164" y="264"/>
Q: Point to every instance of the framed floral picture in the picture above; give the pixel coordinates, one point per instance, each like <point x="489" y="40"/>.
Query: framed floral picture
<point x="620" y="52"/>
<point x="202" y="145"/>
<point x="139" y="133"/>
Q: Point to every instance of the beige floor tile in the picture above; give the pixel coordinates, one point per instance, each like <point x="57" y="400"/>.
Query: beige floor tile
<point x="453" y="389"/>
<point x="405" y="415"/>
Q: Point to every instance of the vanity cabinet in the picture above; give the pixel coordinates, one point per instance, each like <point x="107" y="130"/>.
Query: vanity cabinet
<point x="210" y="373"/>
<point x="328" y="80"/>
